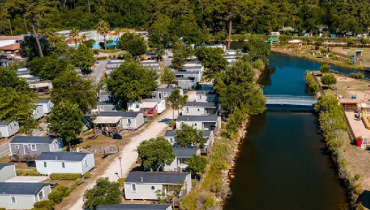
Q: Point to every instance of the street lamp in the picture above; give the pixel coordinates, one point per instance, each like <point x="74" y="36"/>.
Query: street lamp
<point x="120" y="165"/>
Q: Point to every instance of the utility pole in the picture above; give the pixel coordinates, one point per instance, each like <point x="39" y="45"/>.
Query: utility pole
<point x="120" y="165"/>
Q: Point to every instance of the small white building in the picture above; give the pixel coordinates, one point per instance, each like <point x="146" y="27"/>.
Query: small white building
<point x="65" y="162"/>
<point x="180" y="161"/>
<point x="210" y="122"/>
<point x="143" y="185"/>
<point x="170" y="135"/>
<point x="205" y="96"/>
<point x="114" y="63"/>
<point x="22" y="195"/>
<point x="163" y="93"/>
<point x="34" y="145"/>
<point x="47" y="105"/>
<point x="137" y="106"/>
<point x="38" y="112"/>
<point x="7" y="171"/>
<point x="8" y="129"/>
<point x="199" y="108"/>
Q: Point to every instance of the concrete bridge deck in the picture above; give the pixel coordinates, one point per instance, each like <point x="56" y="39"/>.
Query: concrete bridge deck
<point x="290" y="100"/>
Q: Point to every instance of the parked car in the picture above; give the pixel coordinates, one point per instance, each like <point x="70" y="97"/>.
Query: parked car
<point x="116" y="136"/>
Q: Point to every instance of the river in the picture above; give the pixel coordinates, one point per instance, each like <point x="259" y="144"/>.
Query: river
<point x="283" y="163"/>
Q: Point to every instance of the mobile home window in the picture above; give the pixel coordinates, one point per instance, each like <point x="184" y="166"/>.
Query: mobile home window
<point x="16" y="146"/>
<point x="41" y="195"/>
<point x="10" y="126"/>
<point x="45" y="165"/>
<point x="86" y="163"/>
<point x="165" y="94"/>
<point x="13" y="200"/>
<point x="133" y="187"/>
<point x="63" y="165"/>
<point x="33" y="147"/>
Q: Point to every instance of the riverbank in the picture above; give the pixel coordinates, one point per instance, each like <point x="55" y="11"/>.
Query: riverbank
<point x="314" y="58"/>
<point x="213" y="188"/>
<point x="346" y="155"/>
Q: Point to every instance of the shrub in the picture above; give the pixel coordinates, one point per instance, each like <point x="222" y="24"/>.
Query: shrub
<point x="173" y="124"/>
<point x="78" y="181"/>
<point x="348" y="61"/>
<point x="27" y="173"/>
<point x="102" y="58"/>
<point x="121" y="181"/>
<point x="87" y="175"/>
<point x="56" y="176"/>
<point x="328" y="79"/>
<point x="318" y="43"/>
<point x="357" y="75"/>
<point x="48" y="204"/>
<point x="325" y="68"/>
<point x="56" y="196"/>
<point x="2" y="208"/>
<point x="350" y="41"/>
<point x="63" y="189"/>
<point x="357" y="176"/>
<point x="258" y="64"/>
<point x="311" y="86"/>
<point x="72" y="186"/>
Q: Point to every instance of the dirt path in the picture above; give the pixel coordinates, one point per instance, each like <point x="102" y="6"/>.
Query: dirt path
<point x="129" y="154"/>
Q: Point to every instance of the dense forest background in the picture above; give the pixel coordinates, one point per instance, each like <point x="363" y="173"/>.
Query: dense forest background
<point x="184" y="17"/>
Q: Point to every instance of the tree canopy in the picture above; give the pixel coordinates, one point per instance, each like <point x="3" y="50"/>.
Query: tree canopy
<point x="65" y="120"/>
<point x="103" y="193"/>
<point x="47" y="68"/>
<point x="191" y="20"/>
<point x="212" y="59"/>
<point x="325" y="68"/>
<point x="29" y="49"/>
<point x="69" y="86"/>
<point x="188" y="136"/>
<point x="155" y="153"/>
<point x="83" y="57"/>
<point x="176" y="100"/>
<point x="134" y="44"/>
<point x="131" y="82"/>
<point x="168" y="76"/>
<point x="17" y="100"/>
<point x="257" y="49"/>
<point x="328" y="79"/>
<point x="197" y="164"/>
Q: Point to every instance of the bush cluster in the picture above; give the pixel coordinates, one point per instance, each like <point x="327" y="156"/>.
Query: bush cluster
<point x="87" y="175"/>
<point x="57" y="176"/>
<point x="45" y="205"/>
<point x="27" y="173"/>
<point x="102" y="58"/>
<point x="311" y="85"/>
<point x="357" y="75"/>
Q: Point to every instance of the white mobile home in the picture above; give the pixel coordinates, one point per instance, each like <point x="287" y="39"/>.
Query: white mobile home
<point x="182" y="156"/>
<point x="210" y="122"/>
<point x="7" y="171"/>
<point x="143" y="185"/>
<point x="199" y="108"/>
<point x="163" y="93"/>
<point x="137" y="106"/>
<point x="116" y="121"/>
<point x="38" y="112"/>
<point x="188" y="83"/>
<point x="16" y="195"/>
<point x="196" y="75"/>
<point x="114" y="63"/>
<point x="205" y="96"/>
<point x="8" y="129"/>
<point x="107" y="107"/>
<point x="46" y="104"/>
<point x="65" y="162"/>
<point x="34" y="145"/>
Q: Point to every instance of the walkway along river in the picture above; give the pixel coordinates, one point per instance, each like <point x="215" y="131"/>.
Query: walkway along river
<point x="283" y="163"/>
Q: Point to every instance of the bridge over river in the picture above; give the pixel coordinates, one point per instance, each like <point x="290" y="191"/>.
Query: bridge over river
<point x="290" y="100"/>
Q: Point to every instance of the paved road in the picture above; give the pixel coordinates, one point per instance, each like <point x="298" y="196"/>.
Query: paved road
<point x="35" y="132"/>
<point x="96" y="75"/>
<point x="167" y="58"/>
<point x="129" y="153"/>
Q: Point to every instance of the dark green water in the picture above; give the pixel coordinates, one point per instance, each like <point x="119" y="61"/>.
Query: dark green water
<point x="283" y="164"/>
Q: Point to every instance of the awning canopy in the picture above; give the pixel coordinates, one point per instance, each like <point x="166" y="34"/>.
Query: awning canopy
<point x="148" y="105"/>
<point x="107" y="120"/>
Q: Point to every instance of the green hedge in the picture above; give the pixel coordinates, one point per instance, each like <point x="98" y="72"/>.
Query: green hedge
<point x="87" y="175"/>
<point x="56" y="196"/>
<point x="102" y="58"/>
<point x="57" y="176"/>
<point x="27" y="173"/>
<point x="48" y="204"/>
